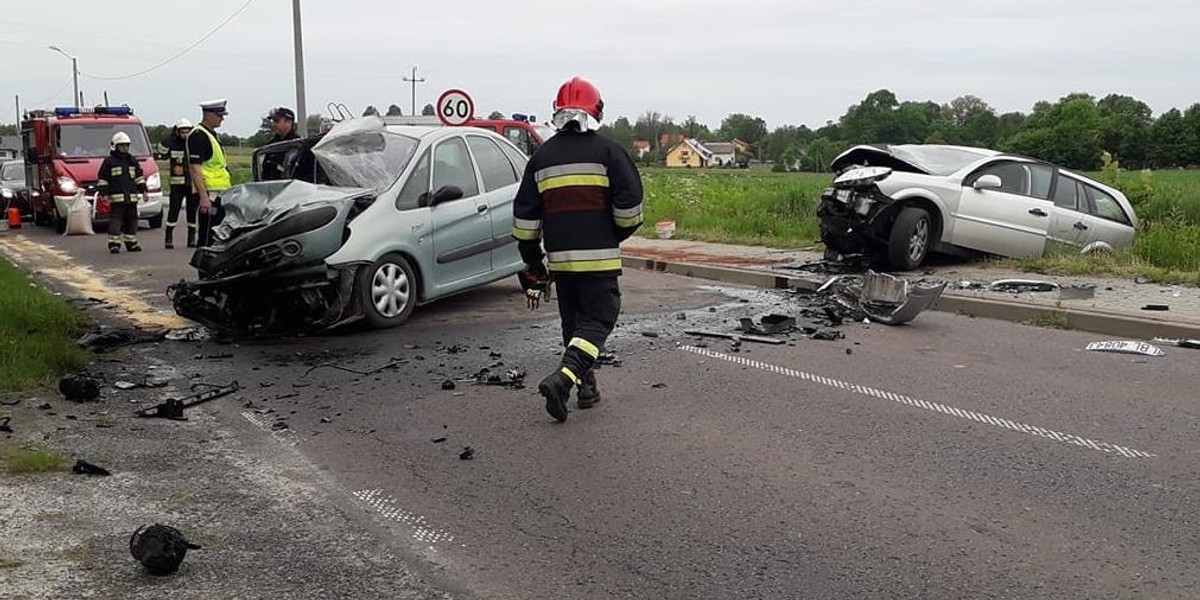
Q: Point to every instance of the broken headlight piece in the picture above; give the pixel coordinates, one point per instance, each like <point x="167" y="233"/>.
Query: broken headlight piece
<point x="222" y="232"/>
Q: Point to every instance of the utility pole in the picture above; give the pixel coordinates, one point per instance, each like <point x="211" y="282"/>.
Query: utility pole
<point x="18" y="121"/>
<point x="74" y="72"/>
<point x="301" y="109"/>
<point x="414" y="81"/>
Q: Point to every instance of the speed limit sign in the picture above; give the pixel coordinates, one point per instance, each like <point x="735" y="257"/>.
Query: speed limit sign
<point x="455" y="107"/>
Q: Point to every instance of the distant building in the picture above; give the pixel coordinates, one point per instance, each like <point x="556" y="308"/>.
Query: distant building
<point x="641" y="148"/>
<point x="10" y="147"/>
<point x="692" y="153"/>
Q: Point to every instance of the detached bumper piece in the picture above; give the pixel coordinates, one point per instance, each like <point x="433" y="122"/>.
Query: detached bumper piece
<point x="884" y="298"/>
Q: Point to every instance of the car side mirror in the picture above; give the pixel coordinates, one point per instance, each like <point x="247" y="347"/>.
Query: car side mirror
<point x="988" y="182"/>
<point x="446" y="193"/>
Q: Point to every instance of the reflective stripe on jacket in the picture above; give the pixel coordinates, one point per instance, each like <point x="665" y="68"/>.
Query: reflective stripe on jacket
<point x="120" y="178"/>
<point x="581" y="196"/>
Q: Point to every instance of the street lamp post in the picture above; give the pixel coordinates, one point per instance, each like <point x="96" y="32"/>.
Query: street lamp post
<point x="74" y="71"/>
<point x="301" y="110"/>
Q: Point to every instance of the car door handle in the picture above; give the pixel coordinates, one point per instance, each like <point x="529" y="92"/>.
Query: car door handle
<point x="1037" y="212"/>
<point x="1079" y="225"/>
<point x="482" y="208"/>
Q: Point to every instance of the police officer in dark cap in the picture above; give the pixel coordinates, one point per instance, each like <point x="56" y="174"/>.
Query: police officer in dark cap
<point x="283" y="124"/>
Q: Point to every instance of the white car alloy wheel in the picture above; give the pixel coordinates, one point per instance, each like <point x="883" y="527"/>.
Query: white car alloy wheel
<point x="389" y="290"/>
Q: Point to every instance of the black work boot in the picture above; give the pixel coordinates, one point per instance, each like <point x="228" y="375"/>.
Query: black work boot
<point x="589" y="393"/>
<point x="114" y="247"/>
<point x="132" y="247"/>
<point x="556" y="388"/>
<point x="169" y="243"/>
<point x="191" y="243"/>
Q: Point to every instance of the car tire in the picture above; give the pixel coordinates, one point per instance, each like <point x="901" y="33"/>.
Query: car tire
<point x="60" y="223"/>
<point x="388" y="291"/>
<point x="910" y="238"/>
<point x="155" y="222"/>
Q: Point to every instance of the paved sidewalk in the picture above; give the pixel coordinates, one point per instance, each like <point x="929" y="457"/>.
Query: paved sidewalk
<point x="1117" y="297"/>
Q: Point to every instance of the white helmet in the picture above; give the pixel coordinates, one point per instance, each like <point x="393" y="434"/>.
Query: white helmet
<point x="183" y="124"/>
<point x="121" y="137"/>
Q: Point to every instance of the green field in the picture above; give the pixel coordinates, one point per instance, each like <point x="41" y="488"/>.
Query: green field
<point x="759" y="207"/>
<point x="37" y="333"/>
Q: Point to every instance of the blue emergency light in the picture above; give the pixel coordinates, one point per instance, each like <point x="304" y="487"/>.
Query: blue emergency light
<point x="70" y="111"/>
<point x="520" y="117"/>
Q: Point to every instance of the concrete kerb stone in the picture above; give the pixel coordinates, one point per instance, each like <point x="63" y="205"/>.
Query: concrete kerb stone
<point x="1099" y="322"/>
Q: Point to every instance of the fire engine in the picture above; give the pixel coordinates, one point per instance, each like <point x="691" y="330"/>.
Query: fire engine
<point x="63" y="151"/>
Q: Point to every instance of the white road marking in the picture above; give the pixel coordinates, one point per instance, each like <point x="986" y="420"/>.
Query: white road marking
<point x="387" y="508"/>
<point x="1066" y="438"/>
<point x="384" y="505"/>
<point x="286" y="436"/>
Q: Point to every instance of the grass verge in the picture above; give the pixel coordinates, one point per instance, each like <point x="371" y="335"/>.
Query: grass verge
<point x="37" y="333"/>
<point x="1124" y="264"/>
<point x="31" y="460"/>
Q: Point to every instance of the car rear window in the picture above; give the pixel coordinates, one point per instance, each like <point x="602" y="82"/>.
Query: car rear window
<point x="1103" y="205"/>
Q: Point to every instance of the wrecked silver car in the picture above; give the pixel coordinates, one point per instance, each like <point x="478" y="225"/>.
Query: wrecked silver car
<point x="376" y="220"/>
<point x="895" y="204"/>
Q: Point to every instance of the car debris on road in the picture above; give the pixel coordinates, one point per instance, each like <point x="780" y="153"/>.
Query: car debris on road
<point x="160" y="548"/>
<point x="1022" y="286"/>
<point x="80" y="387"/>
<point x="173" y="408"/>
<point x="83" y="467"/>
<point x="1126" y="347"/>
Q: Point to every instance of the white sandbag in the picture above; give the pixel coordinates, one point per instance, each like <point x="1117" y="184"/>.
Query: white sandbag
<point x="79" y="216"/>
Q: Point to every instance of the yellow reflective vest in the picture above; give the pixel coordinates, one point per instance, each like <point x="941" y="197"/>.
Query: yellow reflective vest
<point x="214" y="170"/>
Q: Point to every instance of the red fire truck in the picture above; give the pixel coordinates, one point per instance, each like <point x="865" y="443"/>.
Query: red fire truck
<point x="63" y="151"/>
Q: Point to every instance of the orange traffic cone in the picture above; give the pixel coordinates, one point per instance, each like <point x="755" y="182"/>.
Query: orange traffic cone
<point x="14" y="217"/>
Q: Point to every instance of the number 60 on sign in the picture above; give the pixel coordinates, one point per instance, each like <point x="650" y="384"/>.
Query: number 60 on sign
<point x="455" y="107"/>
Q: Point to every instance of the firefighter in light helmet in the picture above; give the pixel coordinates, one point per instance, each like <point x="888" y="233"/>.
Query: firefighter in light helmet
<point x="580" y="197"/>
<point x="122" y="183"/>
<point x="174" y="149"/>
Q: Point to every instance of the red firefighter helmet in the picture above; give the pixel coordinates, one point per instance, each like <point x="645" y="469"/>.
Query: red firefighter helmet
<point x="580" y="94"/>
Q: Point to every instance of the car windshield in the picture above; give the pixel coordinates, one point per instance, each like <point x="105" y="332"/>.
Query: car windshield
<point x="95" y="139"/>
<point x="938" y="160"/>
<point x="13" y="172"/>
<point x="363" y="153"/>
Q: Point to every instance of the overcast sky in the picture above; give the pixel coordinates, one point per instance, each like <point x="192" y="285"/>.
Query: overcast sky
<point x="788" y="61"/>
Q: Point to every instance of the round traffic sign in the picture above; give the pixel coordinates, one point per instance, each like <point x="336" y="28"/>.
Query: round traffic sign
<point x="455" y="107"/>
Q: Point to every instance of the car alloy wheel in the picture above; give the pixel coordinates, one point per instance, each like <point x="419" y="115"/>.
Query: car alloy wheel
<point x="918" y="243"/>
<point x="390" y="290"/>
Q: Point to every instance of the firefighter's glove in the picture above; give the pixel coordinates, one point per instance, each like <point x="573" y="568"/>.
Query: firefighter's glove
<point x="535" y="280"/>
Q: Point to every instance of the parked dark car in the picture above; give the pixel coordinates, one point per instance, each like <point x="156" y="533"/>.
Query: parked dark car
<point x="13" y="191"/>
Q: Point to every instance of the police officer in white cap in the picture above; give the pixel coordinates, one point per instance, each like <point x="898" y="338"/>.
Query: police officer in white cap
<point x="210" y="172"/>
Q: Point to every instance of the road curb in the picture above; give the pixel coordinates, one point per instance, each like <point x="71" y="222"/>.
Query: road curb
<point x="1099" y="322"/>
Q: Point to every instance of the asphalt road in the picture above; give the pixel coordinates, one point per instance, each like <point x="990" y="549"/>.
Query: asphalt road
<point x="950" y="458"/>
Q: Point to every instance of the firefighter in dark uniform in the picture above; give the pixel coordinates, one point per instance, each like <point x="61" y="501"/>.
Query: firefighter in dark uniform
<point x="121" y="181"/>
<point x="580" y="196"/>
<point x="210" y="173"/>
<point x="183" y="195"/>
<point x="283" y="125"/>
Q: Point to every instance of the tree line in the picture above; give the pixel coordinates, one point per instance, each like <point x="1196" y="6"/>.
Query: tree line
<point x="1074" y="131"/>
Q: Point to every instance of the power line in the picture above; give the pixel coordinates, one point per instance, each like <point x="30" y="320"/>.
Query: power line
<point x="175" y="56"/>
<point x="54" y="95"/>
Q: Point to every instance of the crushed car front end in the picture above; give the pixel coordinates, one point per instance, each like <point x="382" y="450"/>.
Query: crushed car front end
<point x="855" y="215"/>
<point x="265" y="273"/>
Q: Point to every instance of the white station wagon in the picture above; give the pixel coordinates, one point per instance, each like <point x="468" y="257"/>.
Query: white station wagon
<point x="897" y="203"/>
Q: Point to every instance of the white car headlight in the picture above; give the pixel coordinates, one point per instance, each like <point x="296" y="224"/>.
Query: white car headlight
<point x="67" y="185"/>
<point x="154" y="182"/>
<point x="6" y="193"/>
